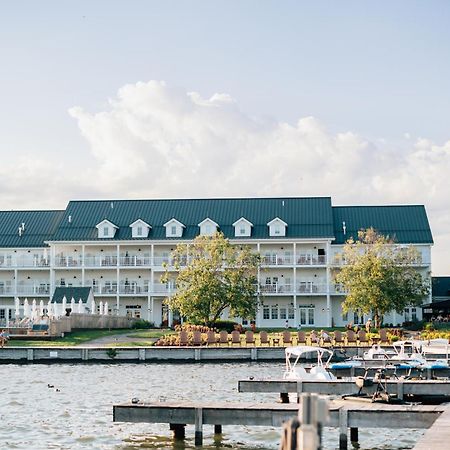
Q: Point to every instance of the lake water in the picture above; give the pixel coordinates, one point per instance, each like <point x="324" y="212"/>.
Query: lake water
<point x="34" y="416"/>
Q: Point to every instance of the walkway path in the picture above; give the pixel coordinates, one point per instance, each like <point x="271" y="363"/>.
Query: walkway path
<point x="117" y="339"/>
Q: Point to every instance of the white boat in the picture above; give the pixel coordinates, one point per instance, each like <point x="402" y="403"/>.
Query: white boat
<point x="318" y="372"/>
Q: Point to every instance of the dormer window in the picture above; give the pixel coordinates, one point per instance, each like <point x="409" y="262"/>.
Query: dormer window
<point x="277" y="227"/>
<point x="106" y="229"/>
<point x="242" y="227"/>
<point x="208" y="227"/>
<point x="140" y="229"/>
<point x="174" y="228"/>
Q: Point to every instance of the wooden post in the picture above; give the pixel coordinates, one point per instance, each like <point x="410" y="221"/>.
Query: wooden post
<point x="354" y="434"/>
<point x="343" y="423"/>
<point x="179" y="431"/>
<point x="198" y="426"/>
<point x="217" y="429"/>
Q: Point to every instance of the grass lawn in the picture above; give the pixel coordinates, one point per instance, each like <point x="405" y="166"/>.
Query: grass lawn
<point x="84" y="336"/>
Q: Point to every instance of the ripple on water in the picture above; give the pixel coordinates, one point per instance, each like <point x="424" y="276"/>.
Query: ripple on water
<point x="80" y="416"/>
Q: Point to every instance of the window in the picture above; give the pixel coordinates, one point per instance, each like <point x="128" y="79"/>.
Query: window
<point x="274" y="310"/>
<point x="242" y="230"/>
<point x="173" y="230"/>
<point x="283" y="314"/>
<point x="291" y="312"/>
<point x="207" y="229"/>
<point x="345" y="317"/>
<point x="306" y="316"/>
<point x="358" y="319"/>
<point x="311" y="316"/>
<point x="276" y="229"/>
<point x="105" y="231"/>
<point x="266" y="312"/>
<point x="2" y="314"/>
<point x="139" y="231"/>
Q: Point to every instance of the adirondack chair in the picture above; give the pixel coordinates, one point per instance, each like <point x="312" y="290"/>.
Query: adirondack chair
<point x="287" y="338"/>
<point x="263" y="338"/>
<point x="249" y="338"/>
<point x="301" y="338"/>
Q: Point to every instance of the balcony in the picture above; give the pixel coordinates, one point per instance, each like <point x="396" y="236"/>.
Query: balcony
<point x="100" y="261"/>
<point x="6" y="290"/>
<point x="33" y="289"/>
<point x="68" y="261"/>
<point x="134" y="288"/>
<point x="135" y="261"/>
<point x="337" y="289"/>
<point x="276" y="289"/>
<point x="25" y="262"/>
<point x="308" y="259"/>
<point x="105" y="288"/>
<point x="276" y="260"/>
<point x="162" y="288"/>
<point x="308" y="287"/>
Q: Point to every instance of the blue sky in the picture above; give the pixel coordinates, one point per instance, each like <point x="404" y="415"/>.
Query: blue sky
<point x="379" y="70"/>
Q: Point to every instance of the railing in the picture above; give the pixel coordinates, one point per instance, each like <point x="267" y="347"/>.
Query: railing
<point x="161" y="288"/>
<point x="100" y="261"/>
<point x="25" y="261"/>
<point x="6" y="290"/>
<point x="276" y="260"/>
<point x="276" y="288"/>
<point x="308" y="259"/>
<point x="337" y="289"/>
<point x="135" y="261"/>
<point x="134" y="289"/>
<point x="311" y="288"/>
<point x="104" y="288"/>
<point x="36" y="289"/>
<point x="68" y="261"/>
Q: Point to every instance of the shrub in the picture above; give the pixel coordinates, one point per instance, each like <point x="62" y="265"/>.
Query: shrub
<point x="142" y="324"/>
<point x="227" y="325"/>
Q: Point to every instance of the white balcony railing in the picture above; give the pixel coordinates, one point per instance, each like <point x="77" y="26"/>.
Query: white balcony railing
<point x="162" y="288"/>
<point x="6" y="290"/>
<point x="135" y="261"/>
<point x="68" y="261"/>
<point x="33" y="289"/>
<point x="276" y="289"/>
<point x="336" y="288"/>
<point x="24" y="261"/>
<point x="100" y="261"/>
<point x="306" y="287"/>
<point x="134" y="288"/>
<point x="308" y="259"/>
<point x="276" y="260"/>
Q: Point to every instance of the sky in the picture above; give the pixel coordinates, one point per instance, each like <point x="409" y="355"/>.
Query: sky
<point x="179" y="99"/>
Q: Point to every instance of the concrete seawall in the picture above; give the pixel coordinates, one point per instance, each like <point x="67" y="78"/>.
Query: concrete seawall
<point x="47" y="355"/>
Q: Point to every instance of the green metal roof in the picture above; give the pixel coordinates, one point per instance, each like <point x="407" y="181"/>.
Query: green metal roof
<point x="405" y="223"/>
<point x="39" y="227"/>
<point x="306" y="217"/>
<point x="71" y="292"/>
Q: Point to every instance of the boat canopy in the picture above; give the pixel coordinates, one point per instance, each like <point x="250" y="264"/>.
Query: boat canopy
<point x="303" y="349"/>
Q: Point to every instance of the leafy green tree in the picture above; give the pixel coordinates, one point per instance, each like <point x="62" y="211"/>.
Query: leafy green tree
<point x="214" y="275"/>
<point x="379" y="276"/>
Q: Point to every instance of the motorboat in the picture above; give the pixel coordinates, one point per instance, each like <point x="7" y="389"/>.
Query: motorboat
<point x="318" y="372"/>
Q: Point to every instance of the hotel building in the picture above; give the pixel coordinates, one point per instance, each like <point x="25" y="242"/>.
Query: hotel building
<point x="118" y="248"/>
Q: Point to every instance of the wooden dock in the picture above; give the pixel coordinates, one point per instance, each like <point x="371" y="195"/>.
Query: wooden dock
<point x="343" y="387"/>
<point x="342" y="414"/>
<point x="438" y="436"/>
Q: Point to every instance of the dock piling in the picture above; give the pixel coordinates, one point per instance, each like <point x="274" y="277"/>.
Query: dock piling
<point x="198" y="426"/>
<point x="179" y="431"/>
<point x="354" y="438"/>
<point x="343" y="425"/>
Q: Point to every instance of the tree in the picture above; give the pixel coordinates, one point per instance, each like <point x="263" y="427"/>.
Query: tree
<point x="379" y="276"/>
<point x="213" y="276"/>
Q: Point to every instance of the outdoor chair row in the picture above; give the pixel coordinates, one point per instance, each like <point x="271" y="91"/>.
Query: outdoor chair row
<point x="285" y="338"/>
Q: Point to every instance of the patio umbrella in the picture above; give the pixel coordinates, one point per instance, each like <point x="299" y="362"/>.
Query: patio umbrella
<point x="41" y="307"/>
<point x="101" y="307"/>
<point x="55" y="310"/>
<point x="49" y="309"/>
<point x="80" y="306"/>
<point x="17" y="312"/>
<point x="64" y="306"/>
<point x="93" y="311"/>
<point x="105" y="309"/>
<point x="72" y="305"/>
<point x="34" y="311"/>
<point x="26" y="308"/>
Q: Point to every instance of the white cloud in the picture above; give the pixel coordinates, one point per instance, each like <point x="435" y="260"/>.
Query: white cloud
<point x="157" y="141"/>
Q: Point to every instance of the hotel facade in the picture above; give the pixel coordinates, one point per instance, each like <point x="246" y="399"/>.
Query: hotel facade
<point x="119" y="248"/>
